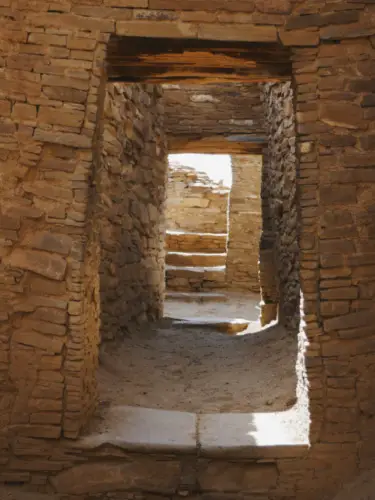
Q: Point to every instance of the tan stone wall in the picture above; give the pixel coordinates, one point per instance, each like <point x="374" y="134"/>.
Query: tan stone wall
<point x="52" y="55"/>
<point x="195" y="203"/>
<point x="244" y="223"/>
<point x="279" y="245"/>
<point x="130" y="185"/>
<point x="209" y="118"/>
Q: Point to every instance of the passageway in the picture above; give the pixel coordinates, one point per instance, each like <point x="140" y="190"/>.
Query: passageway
<point x="200" y="369"/>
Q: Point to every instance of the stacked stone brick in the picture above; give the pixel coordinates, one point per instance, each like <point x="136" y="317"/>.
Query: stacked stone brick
<point x="129" y="204"/>
<point x="51" y="86"/>
<point x="245" y="223"/>
<point x="195" y="203"/>
<point x="219" y="118"/>
<point x="279" y="243"/>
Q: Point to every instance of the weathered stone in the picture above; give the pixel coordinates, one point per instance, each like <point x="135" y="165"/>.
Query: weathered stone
<point x="341" y="115"/>
<point x="50" y="266"/>
<point x="43" y="342"/>
<point x="151" y="475"/>
<point x="49" y="242"/>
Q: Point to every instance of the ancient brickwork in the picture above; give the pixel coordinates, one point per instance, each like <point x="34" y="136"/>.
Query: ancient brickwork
<point x="52" y="59"/>
<point x="130" y="185"/>
<point x="195" y="203"/>
<point x="244" y="223"/>
<point x="220" y="118"/>
<point x="279" y="246"/>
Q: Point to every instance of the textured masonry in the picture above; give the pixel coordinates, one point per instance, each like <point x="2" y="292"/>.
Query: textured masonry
<point x="129" y="205"/>
<point x="195" y="203"/>
<point x="51" y="96"/>
<point x="279" y="251"/>
<point x="244" y="223"/>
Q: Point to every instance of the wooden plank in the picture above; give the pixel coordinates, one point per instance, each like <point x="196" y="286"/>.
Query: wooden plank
<point x="137" y="59"/>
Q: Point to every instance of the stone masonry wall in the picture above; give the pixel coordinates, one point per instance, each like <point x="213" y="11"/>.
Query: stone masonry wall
<point x="244" y="223"/>
<point x="195" y="203"/>
<point x="279" y="245"/>
<point x="52" y="60"/>
<point x="207" y="118"/>
<point x="130" y="184"/>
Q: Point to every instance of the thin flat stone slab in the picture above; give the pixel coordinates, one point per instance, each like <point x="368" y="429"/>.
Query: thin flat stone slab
<point x="225" y="325"/>
<point x="195" y="259"/>
<point x="144" y="429"/>
<point x="196" y="297"/>
<point x="251" y="435"/>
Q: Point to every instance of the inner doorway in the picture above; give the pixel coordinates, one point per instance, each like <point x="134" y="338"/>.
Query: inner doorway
<point x="197" y="368"/>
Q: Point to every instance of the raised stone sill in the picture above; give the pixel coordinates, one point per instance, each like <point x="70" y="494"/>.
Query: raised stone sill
<point x="230" y="435"/>
<point x="176" y="232"/>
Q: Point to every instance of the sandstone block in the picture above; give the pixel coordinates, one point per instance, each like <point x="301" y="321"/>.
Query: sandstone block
<point x="341" y="114"/>
<point x="40" y="431"/>
<point x="64" y="138"/>
<point x="5" y="108"/>
<point x="202" y="5"/>
<point x="99" y="477"/>
<point x="47" y="39"/>
<point x="49" y="242"/>
<point x="48" y="417"/>
<point x="353" y="320"/>
<point x="45" y="327"/>
<point x="156" y="29"/>
<point x="65" y="117"/>
<point x="43" y="342"/>
<point x="224" y="476"/>
<point x="25" y="112"/>
<point x="50" y="266"/>
<point x="65" y="94"/>
<point x="237" y="32"/>
<point x="274" y="6"/>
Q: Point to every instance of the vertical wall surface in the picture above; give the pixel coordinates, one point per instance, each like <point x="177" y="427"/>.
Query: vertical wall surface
<point x="244" y="223"/>
<point x="52" y="55"/>
<point x="279" y="243"/>
<point x="49" y="308"/>
<point x="195" y="202"/>
<point x="130" y="185"/>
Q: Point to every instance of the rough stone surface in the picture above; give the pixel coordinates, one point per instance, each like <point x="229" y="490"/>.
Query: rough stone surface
<point x="195" y="203"/>
<point x="279" y="255"/>
<point x="218" y="118"/>
<point x="244" y="223"/>
<point x="130" y="190"/>
<point x="52" y="55"/>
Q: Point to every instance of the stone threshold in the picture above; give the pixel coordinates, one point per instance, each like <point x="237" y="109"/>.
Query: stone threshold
<point x="238" y="436"/>
<point x="178" y="232"/>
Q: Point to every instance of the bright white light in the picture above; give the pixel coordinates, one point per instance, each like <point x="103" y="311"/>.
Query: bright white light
<point x="217" y="167"/>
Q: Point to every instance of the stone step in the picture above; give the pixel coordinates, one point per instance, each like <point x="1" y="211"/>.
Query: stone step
<point x="196" y="296"/>
<point x="184" y="241"/>
<point x="195" y="278"/>
<point x="196" y="259"/>
<point x="224" y="325"/>
<point x="231" y="456"/>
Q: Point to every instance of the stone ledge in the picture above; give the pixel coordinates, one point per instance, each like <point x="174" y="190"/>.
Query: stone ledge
<point x="145" y="430"/>
<point x="241" y="436"/>
<point x="251" y="435"/>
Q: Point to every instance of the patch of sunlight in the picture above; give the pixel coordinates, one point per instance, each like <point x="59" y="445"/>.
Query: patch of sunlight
<point x="217" y="167"/>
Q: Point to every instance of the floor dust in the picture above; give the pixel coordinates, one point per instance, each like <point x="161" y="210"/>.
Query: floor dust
<point x="198" y="369"/>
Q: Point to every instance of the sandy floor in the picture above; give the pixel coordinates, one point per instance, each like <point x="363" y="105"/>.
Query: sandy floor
<point x="199" y="369"/>
<point x="238" y="305"/>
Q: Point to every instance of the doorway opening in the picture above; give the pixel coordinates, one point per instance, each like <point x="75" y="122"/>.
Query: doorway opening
<point x="161" y="360"/>
<point x="212" y="241"/>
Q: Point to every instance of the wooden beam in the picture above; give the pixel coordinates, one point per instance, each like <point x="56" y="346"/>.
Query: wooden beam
<point x="164" y="60"/>
<point x="213" y="145"/>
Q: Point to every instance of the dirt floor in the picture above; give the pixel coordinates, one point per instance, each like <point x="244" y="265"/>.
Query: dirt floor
<point x="200" y="370"/>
